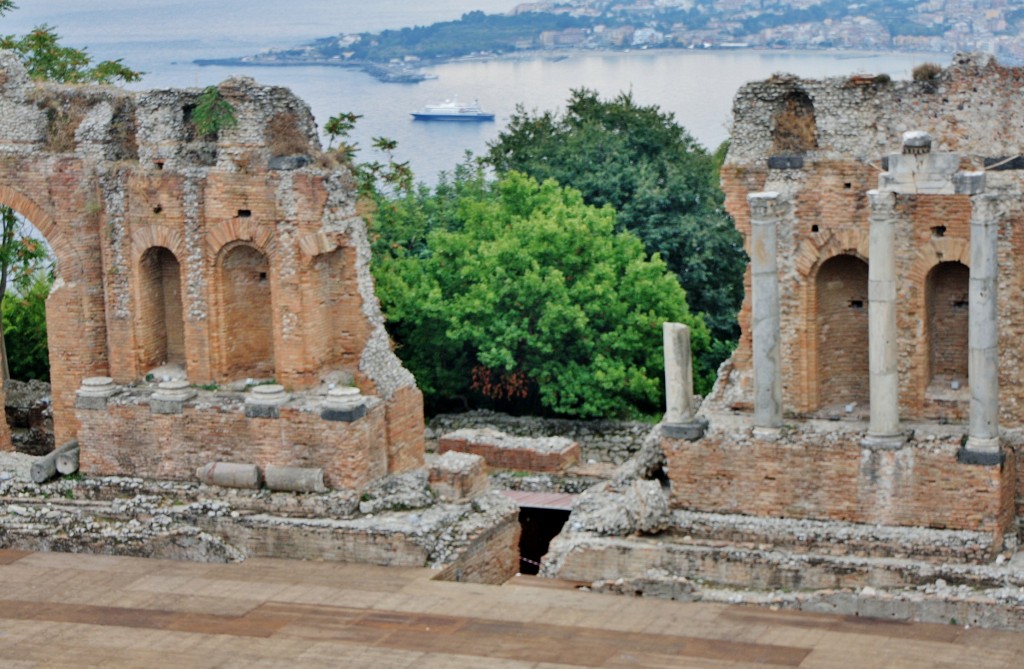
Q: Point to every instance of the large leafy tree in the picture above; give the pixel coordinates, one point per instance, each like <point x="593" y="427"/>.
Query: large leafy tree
<point x="22" y="254"/>
<point x="660" y="181"/>
<point x="519" y="295"/>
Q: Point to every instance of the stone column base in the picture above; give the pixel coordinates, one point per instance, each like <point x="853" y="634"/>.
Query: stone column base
<point x="986" y="451"/>
<point x="767" y="433"/>
<point x="886" y="442"/>
<point x="690" y="431"/>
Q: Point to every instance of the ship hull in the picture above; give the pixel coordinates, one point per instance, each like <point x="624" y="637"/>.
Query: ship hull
<point x="464" y="118"/>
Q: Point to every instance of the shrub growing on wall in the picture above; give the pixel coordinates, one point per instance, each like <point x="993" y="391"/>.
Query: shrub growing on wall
<point x="517" y="294"/>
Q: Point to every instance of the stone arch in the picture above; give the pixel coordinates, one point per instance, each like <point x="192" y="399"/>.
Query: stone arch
<point x="68" y="262"/>
<point x="244" y="312"/>
<point x="947" y="287"/>
<point x="812" y="252"/>
<point x="794" y="126"/>
<point x="149" y="236"/>
<point x="160" y="322"/>
<point x="841" y="331"/>
<point x="240" y="230"/>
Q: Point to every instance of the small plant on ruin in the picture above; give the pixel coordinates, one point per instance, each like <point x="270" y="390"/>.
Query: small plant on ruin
<point x="795" y="127"/>
<point x="285" y="137"/>
<point x="212" y="113"/>
<point x="927" y="72"/>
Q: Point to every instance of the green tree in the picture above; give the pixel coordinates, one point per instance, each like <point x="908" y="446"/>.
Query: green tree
<point x="516" y="294"/>
<point x="21" y="258"/>
<point x="661" y="182"/>
<point x="24" y="317"/>
<point x="45" y="59"/>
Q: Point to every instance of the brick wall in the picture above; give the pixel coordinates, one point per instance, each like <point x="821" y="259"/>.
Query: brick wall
<point x="520" y="459"/>
<point x="492" y="557"/>
<point x="827" y="475"/>
<point x="128" y="439"/>
<point x="405" y="430"/>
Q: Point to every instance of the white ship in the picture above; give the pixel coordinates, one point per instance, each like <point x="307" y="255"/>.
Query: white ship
<point x="453" y="110"/>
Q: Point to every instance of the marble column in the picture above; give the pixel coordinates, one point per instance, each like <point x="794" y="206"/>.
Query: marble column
<point x="765" y="211"/>
<point x="983" y="330"/>
<point x="681" y="420"/>
<point x="679" y="405"/>
<point x="884" y="428"/>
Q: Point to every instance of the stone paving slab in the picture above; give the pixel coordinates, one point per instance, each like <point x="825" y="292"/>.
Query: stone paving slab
<point x="98" y="611"/>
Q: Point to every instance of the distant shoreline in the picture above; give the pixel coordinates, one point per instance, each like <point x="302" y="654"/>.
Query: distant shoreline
<point x="414" y="73"/>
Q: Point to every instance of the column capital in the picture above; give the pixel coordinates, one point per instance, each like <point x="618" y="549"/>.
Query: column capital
<point x="766" y="206"/>
<point x="881" y="202"/>
<point x="986" y="208"/>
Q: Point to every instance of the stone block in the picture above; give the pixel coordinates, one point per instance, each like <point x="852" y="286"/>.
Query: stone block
<point x="455" y="476"/>
<point x="344" y="415"/>
<point x="786" y="162"/>
<point x="551" y="454"/>
<point x="294" y="479"/>
<point x="261" y="411"/>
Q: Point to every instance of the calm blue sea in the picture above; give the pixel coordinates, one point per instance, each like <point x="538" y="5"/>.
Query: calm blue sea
<point x="162" y="37"/>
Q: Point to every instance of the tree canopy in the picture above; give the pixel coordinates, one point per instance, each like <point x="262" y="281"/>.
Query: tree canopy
<point x="660" y="181"/>
<point x="519" y="295"/>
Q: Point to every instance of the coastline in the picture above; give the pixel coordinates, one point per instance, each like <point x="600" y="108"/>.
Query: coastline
<point x="417" y="72"/>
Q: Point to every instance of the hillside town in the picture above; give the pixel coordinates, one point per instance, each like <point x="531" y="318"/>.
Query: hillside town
<point x="991" y="26"/>
<point x="932" y="26"/>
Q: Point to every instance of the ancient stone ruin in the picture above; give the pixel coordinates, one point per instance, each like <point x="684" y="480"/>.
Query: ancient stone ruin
<point x="213" y="300"/>
<point x="879" y="376"/>
<point x="861" y="451"/>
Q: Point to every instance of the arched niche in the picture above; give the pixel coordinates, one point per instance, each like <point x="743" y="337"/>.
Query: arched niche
<point x="947" y="286"/>
<point x="841" y="287"/>
<point x="246" y="325"/>
<point x="160" y="326"/>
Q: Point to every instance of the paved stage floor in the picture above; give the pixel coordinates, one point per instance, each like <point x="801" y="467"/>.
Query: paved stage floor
<point x="61" y="610"/>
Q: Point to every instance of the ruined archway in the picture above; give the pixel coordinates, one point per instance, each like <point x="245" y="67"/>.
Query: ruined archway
<point x="164" y="256"/>
<point x="946" y="297"/>
<point x="246" y="314"/>
<point x="794" y="126"/>
<point x="841" y="287"/>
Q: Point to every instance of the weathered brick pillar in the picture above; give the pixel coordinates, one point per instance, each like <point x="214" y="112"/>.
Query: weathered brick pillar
<point x="765" y="211"/>
<point x="983" y="331"/>
<point x="884" y="428"/>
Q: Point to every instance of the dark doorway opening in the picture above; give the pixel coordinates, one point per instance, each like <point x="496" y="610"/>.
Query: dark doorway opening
<point x="540" y="526"/>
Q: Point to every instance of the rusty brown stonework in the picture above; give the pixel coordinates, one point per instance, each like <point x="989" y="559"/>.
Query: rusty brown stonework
<point x="819" y="464"/>
<point x="237" y="259"/>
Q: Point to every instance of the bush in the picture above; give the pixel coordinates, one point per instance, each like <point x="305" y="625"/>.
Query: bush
<point x="927" y="72"/>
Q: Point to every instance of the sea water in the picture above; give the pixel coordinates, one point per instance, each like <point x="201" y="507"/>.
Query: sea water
<point x="163" y="37"/>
